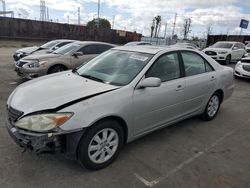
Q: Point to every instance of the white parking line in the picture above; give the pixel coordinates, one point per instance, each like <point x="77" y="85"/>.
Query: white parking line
<point x="188" y="161"/>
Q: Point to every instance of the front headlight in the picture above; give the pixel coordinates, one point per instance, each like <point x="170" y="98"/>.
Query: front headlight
<point x="222" y="52"/>
<point x="239" y="64"/>
<point x="34" y="65"/>
<point x="43" y="122"/>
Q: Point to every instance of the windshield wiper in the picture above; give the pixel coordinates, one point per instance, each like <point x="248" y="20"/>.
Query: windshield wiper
<point x="75" y="71"/>
<point x="92" y="78"/>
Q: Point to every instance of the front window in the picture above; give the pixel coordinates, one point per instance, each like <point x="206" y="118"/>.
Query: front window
<point x="49" y="44"/>
<point x="223" y="45"/>
<point x="67" y="49"/>
<point x="115" y="67"/>
<point x="166" y="67"/>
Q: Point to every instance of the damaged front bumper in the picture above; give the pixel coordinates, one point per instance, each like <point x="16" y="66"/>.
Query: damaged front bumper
<point x="65" y="143"/>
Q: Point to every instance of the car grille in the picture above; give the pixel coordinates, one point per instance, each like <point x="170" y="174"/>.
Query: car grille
<point x="246" y="67"/>
<point x="21" y="63"/>
<point x="13" y="114"/>
<point x="210" y="53"/>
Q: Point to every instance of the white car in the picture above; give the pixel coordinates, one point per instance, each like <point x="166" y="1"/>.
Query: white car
<point x="226" y="51"/>
<point x="248" y="48"/>
<point x="242" y="68"/>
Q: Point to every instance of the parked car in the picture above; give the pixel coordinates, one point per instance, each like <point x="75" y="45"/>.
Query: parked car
<point x="242" y="68"/>
<point x="45" y="48"/>
<point x="91" y="112"/>
<point x="248" y="48"/>
<point x="226" y="51"/>
<point x="67" y="57"/>
<point x="137" y="43"/>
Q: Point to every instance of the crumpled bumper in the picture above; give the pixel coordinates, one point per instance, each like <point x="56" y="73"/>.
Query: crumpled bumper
<point x="65" y="143"/>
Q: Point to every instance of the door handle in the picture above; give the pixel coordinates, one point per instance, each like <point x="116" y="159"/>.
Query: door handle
<point x="179" y="87"/>
<point x="212" y="78"/>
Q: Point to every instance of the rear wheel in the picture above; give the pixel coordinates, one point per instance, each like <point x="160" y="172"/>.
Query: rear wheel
<point x="100" y="145"/>
<point x="57" y="68"/>
<point x="212" y="107"/>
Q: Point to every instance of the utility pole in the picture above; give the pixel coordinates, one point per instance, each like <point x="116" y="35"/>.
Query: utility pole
<point x="68" y="19"/>
<point x="113" y="22"/>
<point x="174" y="25"/>
<point x="98" y="14"/>
<point x="47" y="13"/>
<point x="79" y="16"/>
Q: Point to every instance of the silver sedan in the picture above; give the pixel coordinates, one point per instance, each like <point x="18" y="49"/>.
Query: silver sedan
<point x="125" y="93"/>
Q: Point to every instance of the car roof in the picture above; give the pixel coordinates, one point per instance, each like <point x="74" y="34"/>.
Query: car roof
<point x="231" y="42"/>
<point x="144" y="49"/>
<point x="93" y="42"/>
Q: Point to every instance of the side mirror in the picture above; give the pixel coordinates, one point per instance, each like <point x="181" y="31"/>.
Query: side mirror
<point x="76" y="54"/>
<point x="55" y="48"/>
<point x="150" y="82"/>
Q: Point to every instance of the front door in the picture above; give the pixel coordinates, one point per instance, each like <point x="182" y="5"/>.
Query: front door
<point x="154" y="107"/>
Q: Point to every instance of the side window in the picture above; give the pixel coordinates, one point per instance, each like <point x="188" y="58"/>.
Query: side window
<point x="62" y="44"/>
<point x="208" y="67"/>
<point x="103" y="48"/>
<point x="166" y="67"/>
<point x="194" y="64"/>
<point x="90" y="49"/>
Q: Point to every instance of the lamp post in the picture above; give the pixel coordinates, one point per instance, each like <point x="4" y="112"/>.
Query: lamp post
<point x="98" y="14"/>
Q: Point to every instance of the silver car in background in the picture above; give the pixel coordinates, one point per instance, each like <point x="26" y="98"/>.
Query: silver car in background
<point x="127" y="92"/>
<point x="67" y="57"/>
<point x="45" y="48"/>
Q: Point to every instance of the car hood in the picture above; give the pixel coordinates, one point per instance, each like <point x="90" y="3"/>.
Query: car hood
<point x="217" y="49"/>
<point x="41" y="56"/>
<point x="53" y="91"/>
<point x="245" y="60"/>
<point x="28" y="49"/>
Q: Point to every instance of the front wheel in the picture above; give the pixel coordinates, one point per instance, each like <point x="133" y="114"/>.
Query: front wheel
<point x="100" y="145"/>
<point x="228" y="60"/>
<point x="57" y="68"/>
<point x="212" y="107"/>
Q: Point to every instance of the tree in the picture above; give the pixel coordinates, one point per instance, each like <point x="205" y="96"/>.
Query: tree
<point x="103" y="23"/>
<point x="187" y="27"/>
<point x="152" y="28"/>
<point x="157" y="23"/>
<point x="209" y="29"/>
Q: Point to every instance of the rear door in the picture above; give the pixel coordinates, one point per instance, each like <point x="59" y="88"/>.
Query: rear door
<point x="200" y="80"/>
<point x="154" y="107"/>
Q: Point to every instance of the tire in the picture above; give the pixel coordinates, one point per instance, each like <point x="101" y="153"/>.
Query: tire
<point x="212" y="107"/>
<point x="93" y="152"/>
<point x="228" y="60"/>
<point x="57" y="68"/>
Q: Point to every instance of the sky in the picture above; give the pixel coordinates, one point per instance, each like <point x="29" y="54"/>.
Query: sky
<point x="222" y="16"/>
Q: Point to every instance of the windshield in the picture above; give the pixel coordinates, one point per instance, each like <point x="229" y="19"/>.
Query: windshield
<point x="222" y="45"/>
<point x="67" y="49"/>
<point x="50" y="44"/>
<point x="115" y="67"/>
<point x="248" y="45"/>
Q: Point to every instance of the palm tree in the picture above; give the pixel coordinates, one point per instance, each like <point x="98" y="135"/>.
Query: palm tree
<point x="158" y="21"/>
<point x="152" y="28"/>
